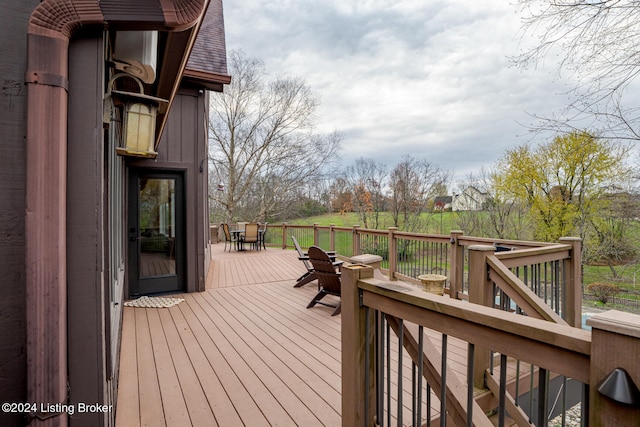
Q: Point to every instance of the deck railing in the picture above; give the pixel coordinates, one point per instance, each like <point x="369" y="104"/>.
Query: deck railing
<point x="550" y="271"/>
<point x="514" y="307"/>
<point x="514" y="363"/>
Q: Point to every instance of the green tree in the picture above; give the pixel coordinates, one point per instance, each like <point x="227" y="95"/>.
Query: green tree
<point x="501" y="216"/>
<point x="611" y="240"/>
<point x="561" y="182"/>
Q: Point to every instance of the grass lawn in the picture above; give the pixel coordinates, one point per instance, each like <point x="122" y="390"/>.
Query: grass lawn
<point x="432" y="222"/>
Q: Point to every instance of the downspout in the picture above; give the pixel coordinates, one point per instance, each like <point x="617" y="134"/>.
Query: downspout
<point x="51" y="26"/>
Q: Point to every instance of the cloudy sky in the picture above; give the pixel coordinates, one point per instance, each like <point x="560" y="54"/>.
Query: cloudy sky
<point x="427" y="78"/>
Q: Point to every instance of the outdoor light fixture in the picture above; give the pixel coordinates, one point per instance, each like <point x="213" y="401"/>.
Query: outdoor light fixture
<point x="619" y="386"/>
<point x="139" y="119"/>
<point x="139" y="129"/>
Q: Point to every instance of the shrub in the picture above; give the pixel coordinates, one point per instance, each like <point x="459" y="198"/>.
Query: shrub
<point x="602" y="291"/>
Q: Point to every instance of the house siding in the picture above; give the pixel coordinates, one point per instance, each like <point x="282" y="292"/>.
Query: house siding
<point x="183" y="148"/>
<point x="92" y="313"/>
<point x="13" y="98"/>
<point x="87" y="277"/>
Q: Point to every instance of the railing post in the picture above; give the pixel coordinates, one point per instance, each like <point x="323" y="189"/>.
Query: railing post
<point x="332" y="238"/>
<point x="615" y="343"/>
<point x="572" y="310"/>
<point x="480" y="287"/>
<point x="356" y="240"/>
<point x="456" y="269"/>
<point x="358" y="410"/>
<point x="316" y="234"/>
<point x="393" y="253"/>
<point x="284" y="235"/>
<point x="480" y="292"/>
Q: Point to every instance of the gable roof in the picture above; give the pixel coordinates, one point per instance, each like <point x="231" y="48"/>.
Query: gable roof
<point x="442" y="199"/>
<point x="207" y="65"/>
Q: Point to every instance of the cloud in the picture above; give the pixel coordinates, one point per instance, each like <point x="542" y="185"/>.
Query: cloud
<point x="430" y="79"/>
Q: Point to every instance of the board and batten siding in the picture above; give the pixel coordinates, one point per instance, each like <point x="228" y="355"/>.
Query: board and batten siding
<point x="183" y="148"/>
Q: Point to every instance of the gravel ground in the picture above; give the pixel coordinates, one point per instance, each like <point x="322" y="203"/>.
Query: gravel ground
<point x="572" y="418"/>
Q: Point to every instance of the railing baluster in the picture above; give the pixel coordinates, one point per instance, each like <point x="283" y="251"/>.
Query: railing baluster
<point x="564" y="401"/>
<point x="443" y="383"/>
<point x="414" y="394"/>
<point x="503" y="390"/>
<point x="367" y="359"/>
<point x="400" y="347"/>
<point x="388" y="327"/>
<point x="542" y="397"/>
<point x="531" y="392"/>
<point x="380" y="324"/>
<point x="584" y="407"/>
<point x="470" y="368"/>
<point x="559" y="289"/>
<point x="420" y="371"/>
<point x="516" y="397"/>
<point x="428" y="405"/>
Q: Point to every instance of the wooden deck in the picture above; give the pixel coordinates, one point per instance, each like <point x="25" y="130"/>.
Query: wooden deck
<point x="244" y="352"/>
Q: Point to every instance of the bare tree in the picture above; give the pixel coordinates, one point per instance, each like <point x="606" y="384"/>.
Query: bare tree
<point x="263" y="147"/>
<point x="596" y="41"/>
<point x="341" y="195"/>
<point x="412" y="184"/>
<point x="367" y="178"/>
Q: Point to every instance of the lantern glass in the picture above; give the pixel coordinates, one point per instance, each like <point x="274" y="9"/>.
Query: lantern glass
<point x="140" y="122"/>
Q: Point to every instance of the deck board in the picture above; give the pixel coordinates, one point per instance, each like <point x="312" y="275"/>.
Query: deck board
<point x="151" y="409"/>
<point x="128" y="410"/>
<point x="244" y="352"/>
<point x="174" y="406"/>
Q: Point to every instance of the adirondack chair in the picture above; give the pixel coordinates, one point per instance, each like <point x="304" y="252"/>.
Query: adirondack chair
<point x="309" y="276"/>
<point x="328" y="278"/>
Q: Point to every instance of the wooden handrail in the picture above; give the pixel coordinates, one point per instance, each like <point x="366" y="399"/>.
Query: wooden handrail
<point x="525" y="254"/>
<point x="530" y="256"/>
<point x="519" y="292"/>
<point x="559" y="348"/>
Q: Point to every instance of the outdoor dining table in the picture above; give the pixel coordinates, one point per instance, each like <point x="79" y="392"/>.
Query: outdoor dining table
<point x="237" y="232"/>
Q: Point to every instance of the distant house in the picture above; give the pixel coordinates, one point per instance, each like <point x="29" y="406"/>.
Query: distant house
<point x="442" y="203"/>
<point x="91" y="215"/>
<point x="471" y="199"/>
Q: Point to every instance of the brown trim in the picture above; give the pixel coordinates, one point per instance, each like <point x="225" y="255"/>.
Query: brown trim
<point x="207" y="77"/>
<point x="52" y="24"/>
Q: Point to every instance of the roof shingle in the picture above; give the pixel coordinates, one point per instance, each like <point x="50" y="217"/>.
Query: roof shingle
<point x="208" y="59"/>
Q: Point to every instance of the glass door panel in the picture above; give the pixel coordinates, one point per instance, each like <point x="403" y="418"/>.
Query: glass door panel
<point x="157" y="227"/>
<point x="156" y="254"/>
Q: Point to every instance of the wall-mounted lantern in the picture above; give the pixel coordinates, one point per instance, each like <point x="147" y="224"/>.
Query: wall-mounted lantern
<point x="139" y="120"/>
<point x="139" y="129"/>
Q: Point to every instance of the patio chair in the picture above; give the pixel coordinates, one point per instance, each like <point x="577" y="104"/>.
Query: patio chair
<point x="328" y="278"/>
<point x="263" y="233"/>
<point x="309" y="276"/>
<point x="250" y="236"/>
<point x="228" y="237"/>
